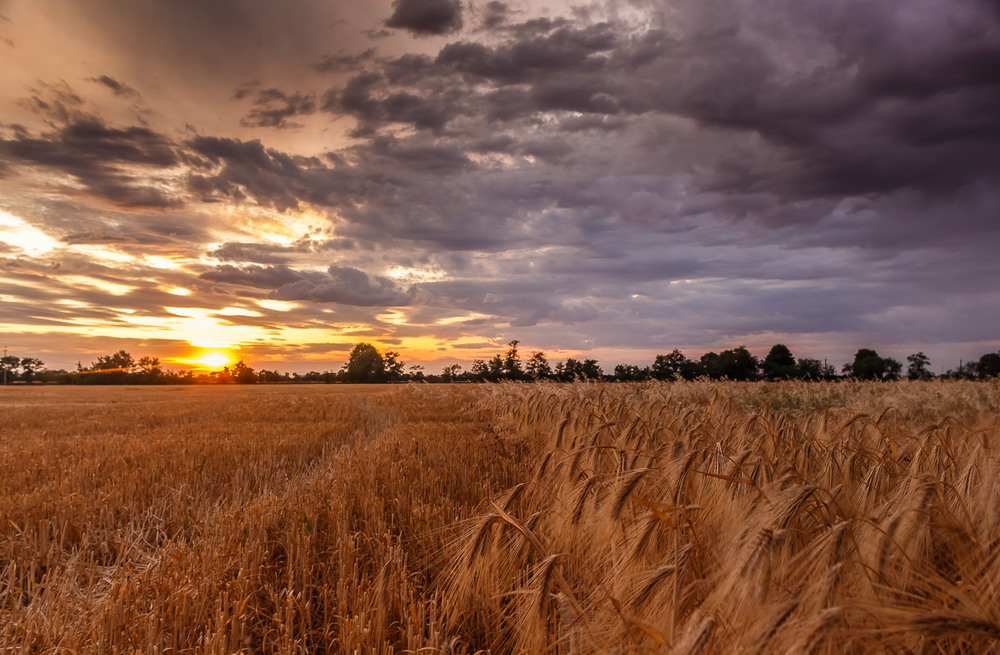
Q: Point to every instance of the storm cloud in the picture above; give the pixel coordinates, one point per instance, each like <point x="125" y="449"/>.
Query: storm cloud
<point x="338" y="284"/>
<point x="426" y="17"/>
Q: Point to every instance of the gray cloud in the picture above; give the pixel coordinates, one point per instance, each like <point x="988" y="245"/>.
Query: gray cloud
<point x="258" y="253"/>
<point x="426" y="17"/>
<point x="339" y="284"/>
<point x="98" y="156"/>
<point x="275" y="108"/>
<point x="259" y="277"/>
<point x="344" y="285"/>
<point x="115" y="86"/>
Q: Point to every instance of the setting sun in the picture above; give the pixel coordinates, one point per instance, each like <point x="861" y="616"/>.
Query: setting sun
<point x="214" y="361"/>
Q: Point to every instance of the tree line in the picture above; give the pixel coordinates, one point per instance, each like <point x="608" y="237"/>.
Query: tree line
<point x="366" y="364"/>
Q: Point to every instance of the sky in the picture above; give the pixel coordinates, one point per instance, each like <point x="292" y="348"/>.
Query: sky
<point x="278" y="181"/>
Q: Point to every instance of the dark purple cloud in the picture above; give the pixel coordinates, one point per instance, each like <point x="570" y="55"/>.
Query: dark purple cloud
<point x="426" y="17"/>
<point x="100" y="157"/>
<point x="275" y="108"/>
<point x="115" y="86"/>
<point x="339" y="284"/>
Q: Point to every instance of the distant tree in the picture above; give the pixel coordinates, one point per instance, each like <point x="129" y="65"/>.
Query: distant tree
<point x="989" y="365"/>
<point x="364" y="364"/>
<point x="738" y="364"/>
<point x="416" y="372"/>
<point x="28" y="367"/>
<point x="591" y="369"/>
<point x="710" y="365"/>
<point x="867" y="365"/>
<point x="779" y="364"/>
<point x="495" y="370"/>
<point x="271" y="376"/>
<point x="480" y="370"/>
<point x="223" y="376"/>
<point x="9" y="364"/>
<point x="573" y="370"/>
<point x="806" y="369"/>
<point x="917" y="369"/>
<point x="511" y="369"/>
<point x="149" y="369"/>
<point x="893" y="368"/>
<point x="674" y="366"/>
<point x="631" y="373"/>
<point x="393" y="366"/>
<point x="242" y="374"/>
<point x="538" y="367"/>
<point x="57" y="376"/>
<point x="120" y="361"/>
<point x="452" y="372"/>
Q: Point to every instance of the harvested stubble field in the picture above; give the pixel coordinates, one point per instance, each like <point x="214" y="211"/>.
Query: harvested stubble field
<point x="678" y="518"/>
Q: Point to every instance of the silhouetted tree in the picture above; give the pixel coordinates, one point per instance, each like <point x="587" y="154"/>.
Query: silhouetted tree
<point x="28" y="367"/>
<point x="631" y="373"/>
<point x="965" y="371"/>
<point x="512" y="362"/>
<point x="393" y="366"/>
<point x="573" y="369"/>
<point x="733" y="364"/>
<point x="806" y="369"/>
<point x="538" y="367"/>
<point x="867" y="365"/>
<point x="893" y="368"/>
<point x="480" y="370"/>
<point x="779" y="364"/>
<point x="9" y="364"/>
<point x="120" y="361"/>
<point x="989" y="365"/>
<point x="674" y="366"/>
<point x="710" y="365"/>
<point x="364" y="364"/>
<point x="272" y="376"/>
<point x="495" y="371"/>
<point x="148" y="370"/>
<point x="242" y="374"/>
<point x="917" y="369"/>
<point x="452" y="372"/>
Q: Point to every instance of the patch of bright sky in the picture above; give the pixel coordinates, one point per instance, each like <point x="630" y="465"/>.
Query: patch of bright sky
<point x="453" y="320"/>
<point x="113" y="288"/>
<point x="103" y="254"/>
<point x="237" y="311"/>
<point x="157" y="261"/>
<point x="277" y="305"/>
<point x="17" y="232"/>
<point x="392" y="316"/>
<point x="411" y="274"/>
<point x="278" y="228"/>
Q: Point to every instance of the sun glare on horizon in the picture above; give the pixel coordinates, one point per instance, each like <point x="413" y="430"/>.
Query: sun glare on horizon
<point x="214" y="361"/>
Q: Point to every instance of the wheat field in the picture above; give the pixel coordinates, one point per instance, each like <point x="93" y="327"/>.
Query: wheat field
<point x="512" y="518"/>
